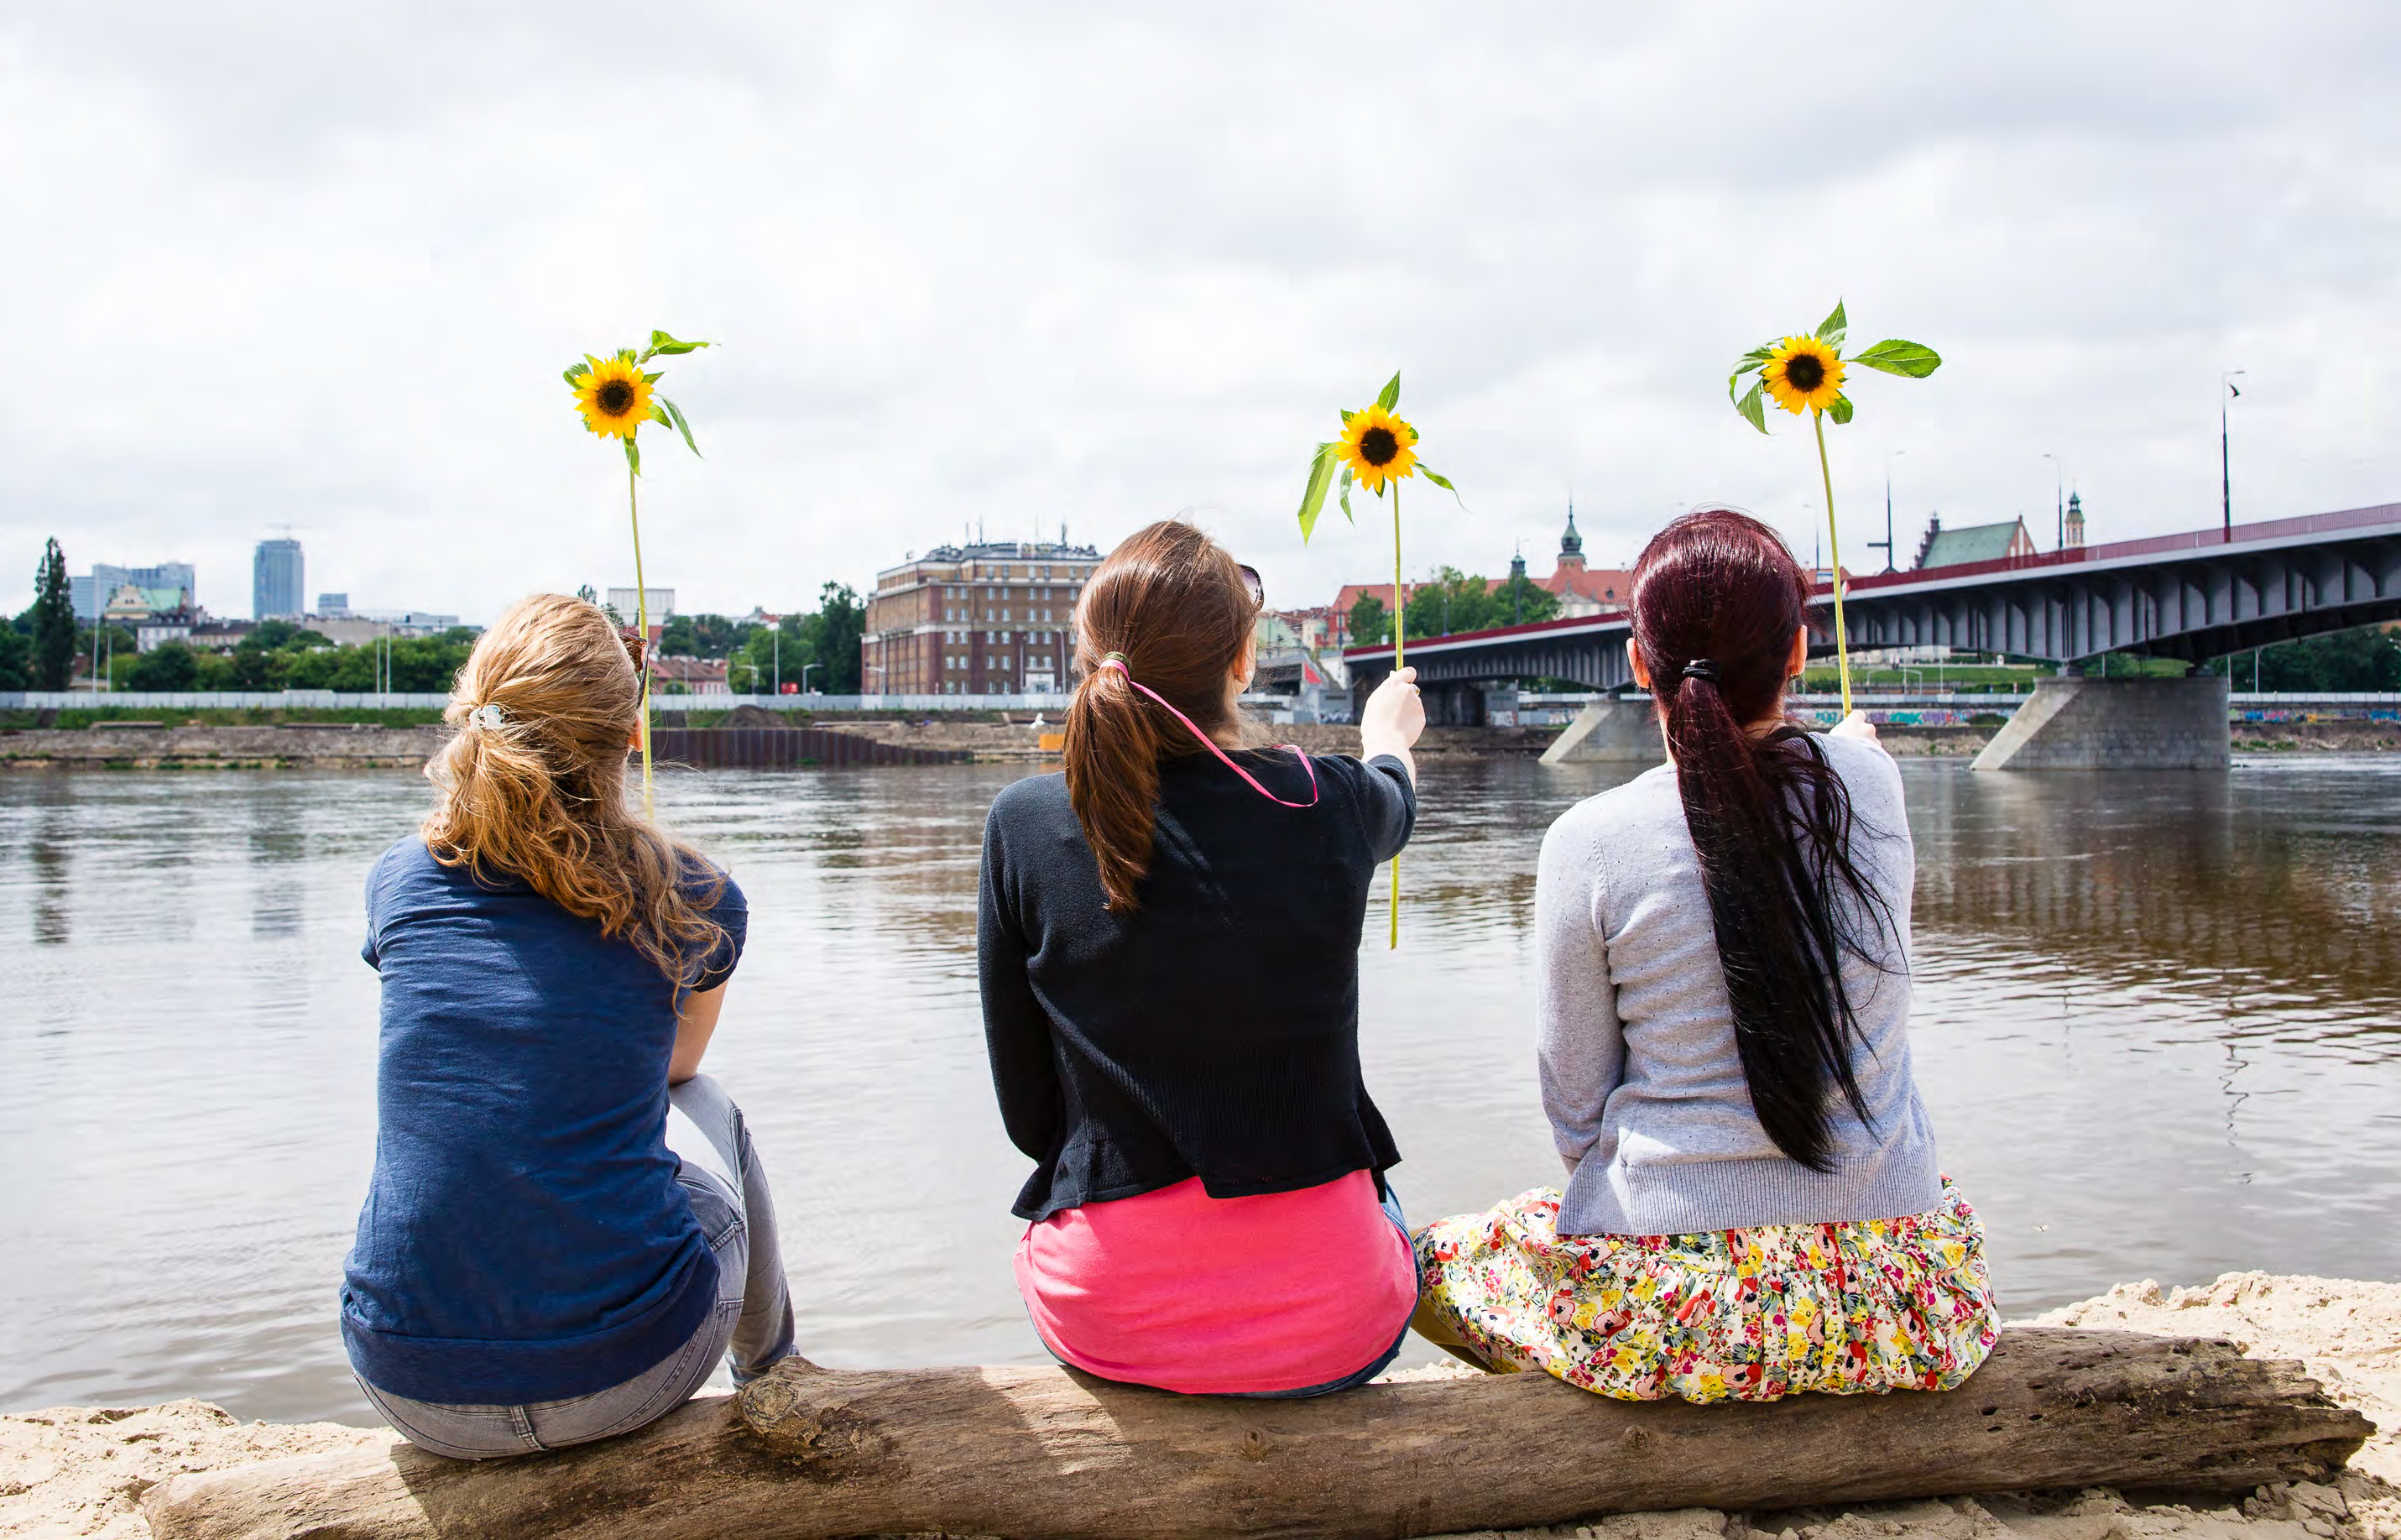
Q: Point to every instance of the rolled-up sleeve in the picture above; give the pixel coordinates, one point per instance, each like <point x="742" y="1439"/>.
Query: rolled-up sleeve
<point x="1580" y="1041"/>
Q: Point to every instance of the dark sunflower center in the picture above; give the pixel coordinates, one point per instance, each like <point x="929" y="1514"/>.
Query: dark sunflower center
<point x="1378" y="446"/>
<point x="616" y="398"/>
<point x="1804" y="371"/>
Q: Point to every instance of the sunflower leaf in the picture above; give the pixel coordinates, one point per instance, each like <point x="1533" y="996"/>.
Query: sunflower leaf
<point x="1895" y="356"/>
<point x="1390" y="396"/>
<point x="1313" y="497"/>
<point x="1751" y="407"/>
<point x="675" y="414"/>
<point x="628" y="354"/>
<point x="1830" y="330"/>
<point x="633" y="454"/>
<point x="1347" y="416"/>
<point x="576" y="373"/>
<point x="1347" y="479"/>
<point x="661" y="343"/>
<point x="1442" y="481"/>
<point x="1841" y="410"/>
<point x="1747" y="364"/>
<point x="654" y="378"/>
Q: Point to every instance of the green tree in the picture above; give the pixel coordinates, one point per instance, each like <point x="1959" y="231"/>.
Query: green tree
<point x="1453" y="601"/>
<point x="780" y="648"/>
<point x="15" y="659"/>
<point x="834" y="636"/>
<point x="169" y="665"/>
<point x="1370" y="622"/>
<point x="2366" y="658"/>
<point x="54" y="621"/>
<point x="1521" y="601"/>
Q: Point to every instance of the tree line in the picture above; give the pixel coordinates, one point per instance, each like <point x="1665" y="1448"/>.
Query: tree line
<point x="45" y="648"/>
<point x="1455" y="601"/>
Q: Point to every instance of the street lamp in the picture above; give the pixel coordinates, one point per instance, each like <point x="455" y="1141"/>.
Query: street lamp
<point x="1886" y="542"/>
<point x="805" y="668"/>
<point x="2059" y="495"/>
<point x="2225" y="456"/>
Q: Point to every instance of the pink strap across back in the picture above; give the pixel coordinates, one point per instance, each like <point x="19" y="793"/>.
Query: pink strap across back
<point x="1113" y="661"/>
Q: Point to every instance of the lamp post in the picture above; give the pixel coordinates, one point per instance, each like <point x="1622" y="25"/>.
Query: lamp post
<point x="804" y="675"/>
<point x="1885" y="544"/>
<point x="777" y="644"/>
<point x="2225" y="453"/>
<point x="2059" y="496"/>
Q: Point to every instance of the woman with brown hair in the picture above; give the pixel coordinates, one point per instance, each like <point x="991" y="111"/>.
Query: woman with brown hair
<point x="566" y="1227"/>
<point x="1169" y="937"/>
<point x="1752" y="1205"/>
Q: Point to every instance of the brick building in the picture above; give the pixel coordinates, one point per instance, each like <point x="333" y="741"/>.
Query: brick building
<point x="986" y="619"/>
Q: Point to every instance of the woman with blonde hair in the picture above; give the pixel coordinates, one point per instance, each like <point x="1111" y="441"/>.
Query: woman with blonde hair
<point x="1169" y="937"/>
<point x="566" y="1226"/>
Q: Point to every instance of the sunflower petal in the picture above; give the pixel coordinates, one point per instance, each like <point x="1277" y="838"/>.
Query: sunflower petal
<point x="1390" y="396"/>
<point x="1841" y="410"/>
<point x="675" y="414"/>
<point x="1830" y="330"/>
<point x="1895" y="356"/>
<point x="1753" y="410"/>
<point x="1313" y="497"/>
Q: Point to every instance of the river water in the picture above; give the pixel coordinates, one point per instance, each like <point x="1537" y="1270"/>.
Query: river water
<point x="2159" y="1026"/>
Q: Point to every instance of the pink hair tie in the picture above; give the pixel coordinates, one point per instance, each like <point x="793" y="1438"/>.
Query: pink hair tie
<point x="1117" y="662"/>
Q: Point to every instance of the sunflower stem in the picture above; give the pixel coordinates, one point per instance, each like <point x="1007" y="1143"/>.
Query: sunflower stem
<point x="1835" y="546"/>
<point x="1400" y="643"/>
<point x="642" y="623"/>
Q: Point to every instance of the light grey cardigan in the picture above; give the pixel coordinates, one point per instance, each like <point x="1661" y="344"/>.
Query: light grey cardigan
<point x="1640" y="1072"/>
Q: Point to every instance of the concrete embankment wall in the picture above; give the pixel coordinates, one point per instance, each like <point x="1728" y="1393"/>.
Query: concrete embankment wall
<point x="334" y="746"/>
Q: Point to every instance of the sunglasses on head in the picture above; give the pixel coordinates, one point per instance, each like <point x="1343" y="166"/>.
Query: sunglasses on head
<point x="1251" y="586"/>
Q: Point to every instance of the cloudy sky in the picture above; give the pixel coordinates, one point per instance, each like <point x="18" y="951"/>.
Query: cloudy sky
<point x="1024" y="266"/>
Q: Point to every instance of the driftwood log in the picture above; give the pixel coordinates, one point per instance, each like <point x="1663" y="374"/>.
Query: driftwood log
<point x="809" y="1453"/>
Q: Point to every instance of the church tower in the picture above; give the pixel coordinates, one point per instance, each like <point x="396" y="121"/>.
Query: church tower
<point x="1571" y="545"/>
<point x="2074" y="521"/>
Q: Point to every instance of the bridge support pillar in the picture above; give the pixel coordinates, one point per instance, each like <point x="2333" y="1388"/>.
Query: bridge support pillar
<point x="2117" y="724"/>
<point x="1610" y="731"/>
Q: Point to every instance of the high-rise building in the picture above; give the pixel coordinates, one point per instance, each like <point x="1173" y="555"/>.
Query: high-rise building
<point x="985" y="619"/>
<point x="275" y="581"/>
<point x="333" y="606"/>
<point x="91" y="591"/>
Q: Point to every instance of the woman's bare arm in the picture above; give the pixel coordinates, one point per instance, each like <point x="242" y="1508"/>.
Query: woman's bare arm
<point x="692" y="1031"/>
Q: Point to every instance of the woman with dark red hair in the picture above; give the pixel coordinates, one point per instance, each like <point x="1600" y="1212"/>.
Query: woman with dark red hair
<point x="1752" y="1205"/>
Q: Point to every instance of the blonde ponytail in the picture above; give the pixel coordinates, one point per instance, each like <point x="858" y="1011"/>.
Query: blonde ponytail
<point x="532" y="784"/>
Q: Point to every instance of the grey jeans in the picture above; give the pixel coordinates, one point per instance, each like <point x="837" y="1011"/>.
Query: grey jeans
<point x="753" y="1320"/>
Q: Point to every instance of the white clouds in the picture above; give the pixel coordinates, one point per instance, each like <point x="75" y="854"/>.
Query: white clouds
<point x="1102" y="265"/>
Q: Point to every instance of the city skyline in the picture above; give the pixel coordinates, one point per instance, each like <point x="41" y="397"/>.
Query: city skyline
<point x="2092" y="214"/>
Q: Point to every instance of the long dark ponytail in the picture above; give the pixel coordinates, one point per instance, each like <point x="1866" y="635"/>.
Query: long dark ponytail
<point x="1718" y="602"/>
<point x="1173" y="605"/>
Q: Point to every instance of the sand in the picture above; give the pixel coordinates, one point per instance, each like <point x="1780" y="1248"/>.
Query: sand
<point x="80" y="1471"/>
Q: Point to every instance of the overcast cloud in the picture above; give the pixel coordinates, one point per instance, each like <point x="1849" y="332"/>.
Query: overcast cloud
<point x="1033" y="265"/>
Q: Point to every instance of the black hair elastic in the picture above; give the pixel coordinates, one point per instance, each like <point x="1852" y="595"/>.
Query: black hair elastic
<point x="1704" y="668"/>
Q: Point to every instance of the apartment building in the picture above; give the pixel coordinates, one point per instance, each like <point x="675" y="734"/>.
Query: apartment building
<point x="986" y="619"/>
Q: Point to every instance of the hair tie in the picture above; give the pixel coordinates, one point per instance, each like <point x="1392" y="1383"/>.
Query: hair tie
<point x="490" y="717"/>
<point x="1704" y="668"/>
<point x="1114" y="660"/>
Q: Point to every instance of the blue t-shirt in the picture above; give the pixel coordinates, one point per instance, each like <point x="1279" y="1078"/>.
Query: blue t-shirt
<point x="523" y="1238"/>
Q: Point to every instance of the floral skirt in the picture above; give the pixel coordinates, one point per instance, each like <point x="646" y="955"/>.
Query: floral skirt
<point x="1732" y="1314"/>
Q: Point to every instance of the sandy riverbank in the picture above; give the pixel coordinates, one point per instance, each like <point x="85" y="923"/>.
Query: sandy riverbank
<point x="80" y="1471"/>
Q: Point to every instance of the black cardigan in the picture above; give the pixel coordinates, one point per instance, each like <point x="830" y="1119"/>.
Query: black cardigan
<point x="1215" y="1030"/>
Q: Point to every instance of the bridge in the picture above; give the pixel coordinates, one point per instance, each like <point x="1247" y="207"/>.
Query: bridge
<point x="2193" y="596"/>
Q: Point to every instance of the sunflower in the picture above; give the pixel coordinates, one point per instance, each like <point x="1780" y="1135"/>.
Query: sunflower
<point x="1804" y="372"/>
<point x="613" y="397"/>
<point x="1378" y="448"/>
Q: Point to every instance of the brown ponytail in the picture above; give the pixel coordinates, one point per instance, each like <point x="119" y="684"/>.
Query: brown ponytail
<point x="532" y="784"/>
<point x="1173" y="605"/>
